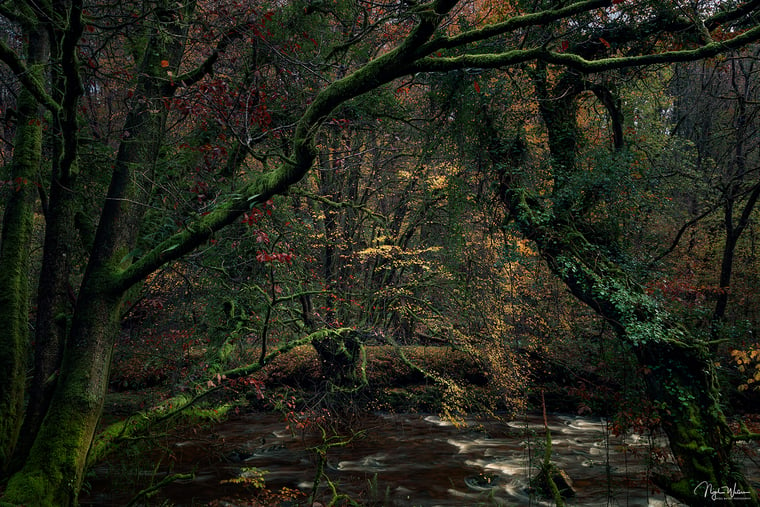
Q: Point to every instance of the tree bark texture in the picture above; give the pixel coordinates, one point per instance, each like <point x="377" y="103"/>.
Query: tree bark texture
<point x="680" y="373"/>
<point x="54" y="469"/>
<point x="55" y="297"/>
<point x="17" y="235"/>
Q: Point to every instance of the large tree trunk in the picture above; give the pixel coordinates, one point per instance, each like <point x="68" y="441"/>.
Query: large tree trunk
<point x="55" y="298"/>
<point x="682" y="381"/>
<point x="17" y="234"/>
<point x="679" y="370"/>
<point x="53" y="471"/>
<point x="54" y="311"/>
<point x="680" y="373"/>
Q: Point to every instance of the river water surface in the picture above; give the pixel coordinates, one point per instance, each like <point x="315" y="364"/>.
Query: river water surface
<point x="413" y="460"/>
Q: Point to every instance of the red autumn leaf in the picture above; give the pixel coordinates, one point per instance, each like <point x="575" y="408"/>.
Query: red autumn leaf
<point x="477" y="87"/>
<point x="565" y="45"/>
<point x="607" y="44"/>
<point x="164" y="63"/>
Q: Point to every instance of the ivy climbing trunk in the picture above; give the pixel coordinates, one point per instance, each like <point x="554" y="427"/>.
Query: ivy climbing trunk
<point x="17" y="234"/>
<point x="679" y="371"/>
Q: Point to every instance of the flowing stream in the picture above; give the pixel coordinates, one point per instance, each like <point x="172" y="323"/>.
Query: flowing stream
<point x="409" y="460"/>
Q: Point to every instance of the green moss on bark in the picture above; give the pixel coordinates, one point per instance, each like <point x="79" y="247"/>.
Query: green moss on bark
<point x="54" y="469"/>
<point x="53" y="472"/>
<point x="17" y="233"/>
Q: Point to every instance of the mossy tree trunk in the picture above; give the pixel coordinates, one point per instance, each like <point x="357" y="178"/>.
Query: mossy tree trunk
<point x="53" y="470"/>
<point x="680" y="373"/>
<point x="15" y="245"/>
<point x="55" y="299"/>
<point x="54" y="312"/>
<point x="679" y="369"/>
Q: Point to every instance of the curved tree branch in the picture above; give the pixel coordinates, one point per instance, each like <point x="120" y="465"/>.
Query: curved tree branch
<point x="28" y="79"/>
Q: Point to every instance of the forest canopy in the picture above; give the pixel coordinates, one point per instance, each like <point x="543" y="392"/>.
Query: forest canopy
<point x="518" y="180"/>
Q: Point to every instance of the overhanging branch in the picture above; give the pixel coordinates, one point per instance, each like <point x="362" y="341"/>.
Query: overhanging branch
<point x="518" y="56"/>
<point x="512" y="24"/>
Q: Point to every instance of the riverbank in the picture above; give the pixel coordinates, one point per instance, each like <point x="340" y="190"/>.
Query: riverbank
<point x="409" y="379"/>
<point x="274" y="434"/>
